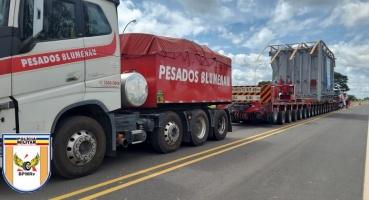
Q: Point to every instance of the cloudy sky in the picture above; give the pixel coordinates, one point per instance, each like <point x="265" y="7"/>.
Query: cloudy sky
<point x="240" y="29"/>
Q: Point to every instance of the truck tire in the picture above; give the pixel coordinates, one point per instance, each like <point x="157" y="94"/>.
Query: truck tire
<point x="220" y="125"/>
<point x="168" y="137"/>
<point x="281" y="117"/>
<point x="79" y="146"/>
<point x="288" y="116"/>
<point x="199" y="128"/>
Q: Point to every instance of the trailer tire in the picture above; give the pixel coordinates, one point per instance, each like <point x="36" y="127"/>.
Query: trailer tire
<point x="170" y="132"/>
<point x="220" y="125"/>
<point x="200" y="121"/>
<point x="71" y="134"/>
<point x="274" y="116"/>
<point x="288" y="116"/>
<point x="299" y="114"/>
<point x="304" y="113"/>
<point x="281" y="117"/>
<point x="294" y="115"/>
<point x="308" y="112"/>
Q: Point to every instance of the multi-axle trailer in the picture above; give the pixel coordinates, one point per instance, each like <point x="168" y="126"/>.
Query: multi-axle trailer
<point x="302" y="86"/>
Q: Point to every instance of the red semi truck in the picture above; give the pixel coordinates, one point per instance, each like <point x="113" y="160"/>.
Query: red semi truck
<point x="302" y="86"/>
<point x="66" y="70"/>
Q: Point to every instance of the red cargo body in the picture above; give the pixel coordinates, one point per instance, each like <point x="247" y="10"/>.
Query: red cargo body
<point x="177" y="70"/>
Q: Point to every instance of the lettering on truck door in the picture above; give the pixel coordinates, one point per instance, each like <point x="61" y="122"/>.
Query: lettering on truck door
<point x="49" y="75"/>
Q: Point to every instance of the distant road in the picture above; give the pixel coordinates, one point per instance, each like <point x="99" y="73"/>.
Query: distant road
<point x="314" y="159"/>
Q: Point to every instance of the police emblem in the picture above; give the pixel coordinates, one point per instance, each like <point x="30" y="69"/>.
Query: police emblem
<point x="26" y="161"/>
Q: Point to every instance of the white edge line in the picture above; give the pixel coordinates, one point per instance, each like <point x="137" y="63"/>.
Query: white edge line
<point x="366" y="176"/>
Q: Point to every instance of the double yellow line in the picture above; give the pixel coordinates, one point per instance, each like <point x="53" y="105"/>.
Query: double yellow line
<point x="220" y="149"/>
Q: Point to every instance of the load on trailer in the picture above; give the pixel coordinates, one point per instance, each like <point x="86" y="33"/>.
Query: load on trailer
<point x="94" y="89"/>
<point x="302" y="86"/>
<point x="172" y="83"/>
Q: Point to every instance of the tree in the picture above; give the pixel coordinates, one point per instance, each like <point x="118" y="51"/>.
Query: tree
<point x="340" y="81"/>
<point x="366" y="98"/>
<point x="352" y="98"/>
<point x="263" y="83"/>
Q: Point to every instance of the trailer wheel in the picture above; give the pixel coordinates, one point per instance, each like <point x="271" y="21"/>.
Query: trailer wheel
<point x="281" y="117"/>
<point x="294" y="115"/>
<point x="168" y="137"/>
<point x="299" y="114"/>
<point x="220" y="125"/>
<point x="79" y="146"/>
<point x="273" y="116"/>
<point x="199" y="128"/>
<point x="308" y="113"/>
<point x="288" y="116"/>
<point x="304" y="113"/>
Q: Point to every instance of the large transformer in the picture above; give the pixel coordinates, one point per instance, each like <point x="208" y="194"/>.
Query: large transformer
<point x="302" y="86"/>
<point x="308" y="66"/>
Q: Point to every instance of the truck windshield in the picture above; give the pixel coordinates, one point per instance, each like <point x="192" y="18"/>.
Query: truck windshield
<point x="4" y="12"/>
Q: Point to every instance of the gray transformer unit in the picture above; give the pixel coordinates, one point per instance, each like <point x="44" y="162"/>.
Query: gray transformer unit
<point x="309" y="66"/>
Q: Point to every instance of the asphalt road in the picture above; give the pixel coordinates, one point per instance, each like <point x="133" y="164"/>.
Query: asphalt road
<point x="317" y="158"/>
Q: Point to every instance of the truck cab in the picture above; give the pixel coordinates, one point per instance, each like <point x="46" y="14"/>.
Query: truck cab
<point x="61" y="74"/>
<point x="58" y="58"/>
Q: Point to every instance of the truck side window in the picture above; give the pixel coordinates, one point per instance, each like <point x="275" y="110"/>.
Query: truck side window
<point x="61" y="22"/>
<point x="4" y="12"/>
<point x="95" y="20"/>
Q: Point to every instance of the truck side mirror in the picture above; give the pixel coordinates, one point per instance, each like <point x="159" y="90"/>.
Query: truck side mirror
<point x="38" y="17"/>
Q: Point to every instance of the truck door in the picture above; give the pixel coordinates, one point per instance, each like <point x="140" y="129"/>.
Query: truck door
<point x="5" y="50"/>
<point x="48" y="75"/>
<point x="102" y="52"/>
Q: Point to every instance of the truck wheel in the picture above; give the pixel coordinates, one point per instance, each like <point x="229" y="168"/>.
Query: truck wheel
<point x="281" y="117"/>
<point x="288" y="116"/>
<point x="294" y="115"/>
<point x="79" y="146"/>
<point x="199" y="128"/>
<point x="168" y="137"/>
<point x="220" y="125"/>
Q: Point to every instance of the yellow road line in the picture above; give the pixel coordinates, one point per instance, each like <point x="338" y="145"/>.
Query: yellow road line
<point x="181" y="159"/>
<point x="110" y="190"/>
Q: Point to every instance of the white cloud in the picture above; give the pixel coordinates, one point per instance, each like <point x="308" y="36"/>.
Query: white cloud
<point x="157" y="19"/>
<point x="353" y="61"/>
<point x="234" y="38"/>
<point x="259" y="39"/>
<point x="350" y="14"/>
<point x="283" y="12"/>
<point x="246" y="6"/>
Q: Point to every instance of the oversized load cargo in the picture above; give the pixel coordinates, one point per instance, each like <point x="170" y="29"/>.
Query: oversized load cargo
<point x="302" y="86"/>
<point x="308" y="66"/>
<point x="177" y="70"/>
